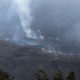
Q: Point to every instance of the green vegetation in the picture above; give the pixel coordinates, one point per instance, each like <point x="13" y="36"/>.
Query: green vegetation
<point x="71" y="76"/>
<point x="5" y="76"/>
<point x="59" y="75"/>
<point x="42" y="75"/>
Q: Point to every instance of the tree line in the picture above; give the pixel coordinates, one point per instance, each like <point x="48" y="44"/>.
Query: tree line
<point x="41" y="75"/>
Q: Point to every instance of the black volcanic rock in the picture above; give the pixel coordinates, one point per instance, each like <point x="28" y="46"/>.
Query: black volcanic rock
<point x="22" y="61"/>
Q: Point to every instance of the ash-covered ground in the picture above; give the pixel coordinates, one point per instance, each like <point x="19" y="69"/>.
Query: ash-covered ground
<point x="22" y="61"/>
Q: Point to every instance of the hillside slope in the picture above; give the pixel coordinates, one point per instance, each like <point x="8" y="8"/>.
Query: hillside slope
<point x="22" y="61"/>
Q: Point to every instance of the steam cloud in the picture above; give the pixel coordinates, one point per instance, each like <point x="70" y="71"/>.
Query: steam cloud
<point x="61" y="19"/>
<point x="24" y="11"/>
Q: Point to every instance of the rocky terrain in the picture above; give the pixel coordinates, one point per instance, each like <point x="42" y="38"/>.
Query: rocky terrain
<point x="22" y="61"/>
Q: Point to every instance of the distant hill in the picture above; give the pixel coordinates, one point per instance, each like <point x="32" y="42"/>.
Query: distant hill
<point x="22" y="61"/>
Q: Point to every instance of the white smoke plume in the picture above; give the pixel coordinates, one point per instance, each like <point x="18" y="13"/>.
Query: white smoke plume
<point x="24" y="11"/>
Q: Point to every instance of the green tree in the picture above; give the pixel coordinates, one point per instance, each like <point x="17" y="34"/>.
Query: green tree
<point x="41" y="75"/>
<point x="5" y="76"/>
<point x="59" y="75"/>
<point x="71" y="76"/>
